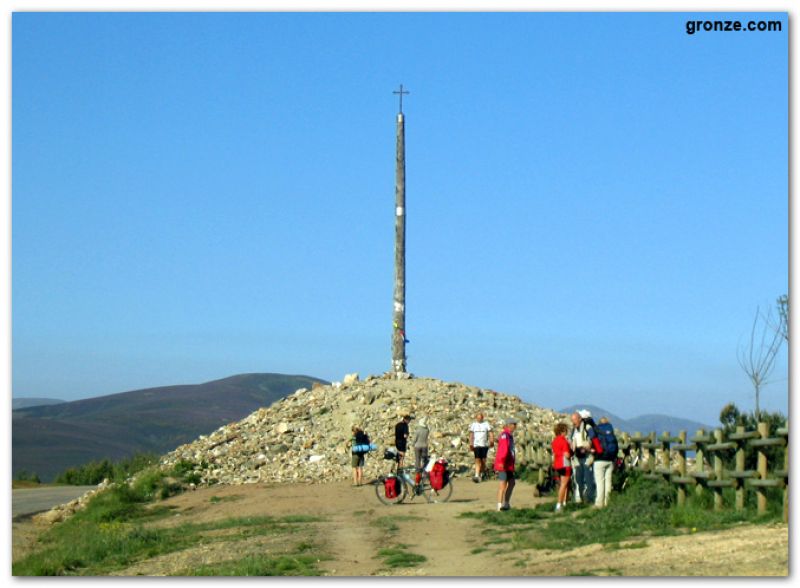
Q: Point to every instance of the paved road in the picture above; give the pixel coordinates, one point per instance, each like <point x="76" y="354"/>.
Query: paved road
<point x="32" y="500"/>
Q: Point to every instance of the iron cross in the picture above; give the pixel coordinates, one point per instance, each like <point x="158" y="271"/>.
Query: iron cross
<point x="401" y="92"/>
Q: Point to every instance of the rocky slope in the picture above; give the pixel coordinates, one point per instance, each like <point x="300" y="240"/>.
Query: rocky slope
<point x="304" y="437"/>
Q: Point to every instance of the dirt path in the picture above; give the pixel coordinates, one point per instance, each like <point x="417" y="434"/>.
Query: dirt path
<point x="356" y="525"/>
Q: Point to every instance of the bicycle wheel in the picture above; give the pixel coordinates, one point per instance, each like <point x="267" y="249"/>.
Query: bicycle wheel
<point x="442" y="495"/>
<point x="380" y="491"/>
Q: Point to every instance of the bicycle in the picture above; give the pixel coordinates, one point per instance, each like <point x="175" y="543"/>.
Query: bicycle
<point x="409" y="487"/>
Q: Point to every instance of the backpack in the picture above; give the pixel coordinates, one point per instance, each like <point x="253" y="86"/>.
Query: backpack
<point x="608" y="441"/>
<point x="439" y="475"/>
<point x="391" y="486"/>
<point x="362" y="444"/>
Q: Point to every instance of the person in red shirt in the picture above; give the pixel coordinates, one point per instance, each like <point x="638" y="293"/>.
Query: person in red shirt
<point x="561" y="462"/>
<point x="504" y="461"/>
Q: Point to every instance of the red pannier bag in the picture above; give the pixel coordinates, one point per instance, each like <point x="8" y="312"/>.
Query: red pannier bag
<point x="439" y="475"/>
<point x="391" y="485"/>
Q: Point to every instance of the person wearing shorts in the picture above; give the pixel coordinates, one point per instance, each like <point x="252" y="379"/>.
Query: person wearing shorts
<point x="480" y="439"/>
<point x="562" y="463"/>
<point x="401" y="439"/>
<point x="504" y="461"/>
<point x="357" y="459"/>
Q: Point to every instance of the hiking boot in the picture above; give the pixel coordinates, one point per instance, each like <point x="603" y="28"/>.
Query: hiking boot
<point x="476" y="479"/>
<point x="506" y="506"/>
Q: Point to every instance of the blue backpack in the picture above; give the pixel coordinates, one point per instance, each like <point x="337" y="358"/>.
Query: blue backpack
<point x="608" y="441"/>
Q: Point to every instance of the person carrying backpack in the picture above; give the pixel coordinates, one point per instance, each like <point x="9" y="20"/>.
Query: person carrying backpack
<point x="582" y="456"/>
<point x="605" y="448"/>
<point x="358" y="442"/>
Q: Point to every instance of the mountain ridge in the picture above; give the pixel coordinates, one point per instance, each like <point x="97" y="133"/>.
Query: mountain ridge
<point x="30" y="402"/>
<point x="642" y="423"/>
<point x="48" y="439"/>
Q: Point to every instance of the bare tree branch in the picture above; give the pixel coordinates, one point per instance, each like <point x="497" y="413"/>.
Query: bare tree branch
<point x="758" y="359"/>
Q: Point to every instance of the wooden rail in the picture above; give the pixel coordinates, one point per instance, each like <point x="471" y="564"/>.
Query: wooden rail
<point x="665" y="457"/>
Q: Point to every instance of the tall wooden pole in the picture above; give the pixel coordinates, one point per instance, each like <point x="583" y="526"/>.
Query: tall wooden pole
<point x="399" y="316"/>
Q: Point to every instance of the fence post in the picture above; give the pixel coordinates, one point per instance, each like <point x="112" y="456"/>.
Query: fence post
<point x="666" y="454"/>
<point x="740" y="486"/>
<point x="681" y="467"/>
<point x="644" y="453"/>
<point x="699" y="465"/>
<point x="761" y="492"/>
<point x="718" y="469"/>
<point x="637" y="446"/>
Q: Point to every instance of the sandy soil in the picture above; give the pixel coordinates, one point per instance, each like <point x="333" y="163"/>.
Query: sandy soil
<point x="352" y="533"/>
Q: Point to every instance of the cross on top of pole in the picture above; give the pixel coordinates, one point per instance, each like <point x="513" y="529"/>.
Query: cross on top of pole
<point x="401" y="92"/>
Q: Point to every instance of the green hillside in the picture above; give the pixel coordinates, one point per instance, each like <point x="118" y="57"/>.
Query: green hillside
<point x="48" y="439"/>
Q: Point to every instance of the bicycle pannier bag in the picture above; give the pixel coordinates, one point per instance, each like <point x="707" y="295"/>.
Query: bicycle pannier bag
<point x="391" y="486"/>
<point x="439" y="475"/>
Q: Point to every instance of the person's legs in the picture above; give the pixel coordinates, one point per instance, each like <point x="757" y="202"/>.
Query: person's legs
<point x="599" y="483"/>
<point x="591" y="489"/>
<point x="501" y="491"/>
<point x="562" y="490"/>
<point x="609" y="474"/>
<point x="580" y="480"/>
<point x="509" y="489"/>
<point x="477" y="464"/>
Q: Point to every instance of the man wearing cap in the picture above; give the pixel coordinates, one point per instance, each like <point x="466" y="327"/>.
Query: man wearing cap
<point x="582" y="459"/>
<point x="504" y="461"/>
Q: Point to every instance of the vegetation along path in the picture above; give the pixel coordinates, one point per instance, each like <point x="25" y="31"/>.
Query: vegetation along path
<point x="335" y="529"/>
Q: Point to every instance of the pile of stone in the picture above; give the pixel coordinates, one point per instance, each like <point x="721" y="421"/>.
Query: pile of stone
<point x="304" y="437"/>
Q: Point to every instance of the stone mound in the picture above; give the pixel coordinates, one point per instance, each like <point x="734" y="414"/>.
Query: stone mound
<point x="304" y="437"/>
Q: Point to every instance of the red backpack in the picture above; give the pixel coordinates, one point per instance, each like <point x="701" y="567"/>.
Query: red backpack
<point x="439" y="475"/>
<point x="391" y="485"/>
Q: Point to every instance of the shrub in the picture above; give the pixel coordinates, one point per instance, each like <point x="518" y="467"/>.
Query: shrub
<point x="94" y="472"/>
<point x="26" y="476"/>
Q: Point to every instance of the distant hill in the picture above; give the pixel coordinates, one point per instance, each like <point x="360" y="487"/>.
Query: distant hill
<point x="17" y="403"/>
<point x="644" y="423"/>
<point x="48" y="439"/>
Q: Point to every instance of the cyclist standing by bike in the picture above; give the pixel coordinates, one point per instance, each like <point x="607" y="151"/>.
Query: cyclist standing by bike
<point x="401" y="439"/>
<point x="421" y="446"/>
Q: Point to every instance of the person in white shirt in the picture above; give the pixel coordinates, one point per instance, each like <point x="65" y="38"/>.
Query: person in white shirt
<point x="480" y="439"/>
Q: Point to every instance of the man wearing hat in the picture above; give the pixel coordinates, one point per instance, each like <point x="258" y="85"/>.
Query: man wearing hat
<point x="504" y="461"/>
<point x="582" y="459"/>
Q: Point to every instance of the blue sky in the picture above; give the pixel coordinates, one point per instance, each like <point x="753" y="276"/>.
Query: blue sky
<point x="596" y="202"/>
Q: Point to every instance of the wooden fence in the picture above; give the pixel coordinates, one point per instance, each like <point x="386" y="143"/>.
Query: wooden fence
<point x="665" y="457"/>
